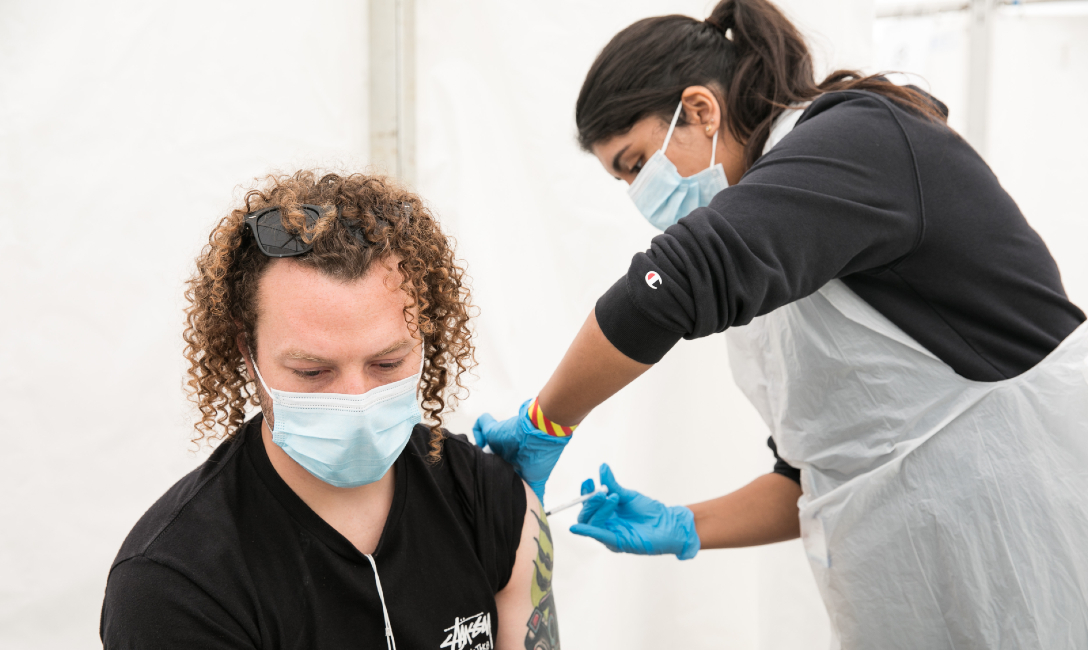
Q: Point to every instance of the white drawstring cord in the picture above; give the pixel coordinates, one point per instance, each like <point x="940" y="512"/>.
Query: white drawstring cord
<point x="675" y="116"/>
<point x="672" y="126"/>
<point x="390" y="642"/>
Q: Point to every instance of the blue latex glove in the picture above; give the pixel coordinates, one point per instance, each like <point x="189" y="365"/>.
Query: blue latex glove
<point x="532" y="452"/>
<point x="628" y="522"/>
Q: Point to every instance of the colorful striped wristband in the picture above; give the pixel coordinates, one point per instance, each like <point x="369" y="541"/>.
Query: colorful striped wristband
<point x="545" y="425"/>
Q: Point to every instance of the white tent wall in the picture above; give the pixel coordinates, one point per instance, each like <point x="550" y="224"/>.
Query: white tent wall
<point x="124" y="126"/>
<point x="545" y="231"/>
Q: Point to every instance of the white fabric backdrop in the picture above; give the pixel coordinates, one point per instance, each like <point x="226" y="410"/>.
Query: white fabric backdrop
<point x="124" y="126"/>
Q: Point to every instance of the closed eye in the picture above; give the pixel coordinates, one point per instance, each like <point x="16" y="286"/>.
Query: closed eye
<point x="308" y="374"/>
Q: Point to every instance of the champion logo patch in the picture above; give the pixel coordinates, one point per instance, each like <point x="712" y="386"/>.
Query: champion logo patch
<point x="653" y="279"/>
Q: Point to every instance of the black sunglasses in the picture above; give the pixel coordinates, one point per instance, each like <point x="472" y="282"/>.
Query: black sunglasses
<point x="273" y="239"/>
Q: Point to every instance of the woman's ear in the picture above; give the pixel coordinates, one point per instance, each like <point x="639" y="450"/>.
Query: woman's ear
<point x="701" y="108"/>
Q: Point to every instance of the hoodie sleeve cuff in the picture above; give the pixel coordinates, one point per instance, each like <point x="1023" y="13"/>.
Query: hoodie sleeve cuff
<point x="627" y="328"/>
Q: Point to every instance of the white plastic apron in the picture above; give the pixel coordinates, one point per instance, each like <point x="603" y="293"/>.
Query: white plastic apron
<point x="937" y="512"/>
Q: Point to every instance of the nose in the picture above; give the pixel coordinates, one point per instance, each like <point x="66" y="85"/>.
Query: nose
<point x="355" y="382"/>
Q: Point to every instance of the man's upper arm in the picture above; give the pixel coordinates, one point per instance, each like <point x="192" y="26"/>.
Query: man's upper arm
<point x="148" y="605"/>
<point x="527" y="617"/>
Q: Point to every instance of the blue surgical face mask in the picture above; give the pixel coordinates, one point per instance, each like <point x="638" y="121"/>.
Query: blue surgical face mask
<point x="345" y="440"/>
<point x="663" y="196"/>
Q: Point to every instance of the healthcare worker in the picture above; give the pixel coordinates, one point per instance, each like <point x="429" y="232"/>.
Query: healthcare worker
<point x="895" y="320"/>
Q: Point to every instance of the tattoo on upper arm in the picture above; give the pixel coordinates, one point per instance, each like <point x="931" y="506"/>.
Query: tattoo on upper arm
<point x="543" y="625"/>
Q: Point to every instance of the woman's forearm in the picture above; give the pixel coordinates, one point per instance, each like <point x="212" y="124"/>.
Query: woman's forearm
<point x="591" y="371"/>
<point x="762" y="512"/>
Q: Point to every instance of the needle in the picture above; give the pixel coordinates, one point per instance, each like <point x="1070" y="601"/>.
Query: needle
<point x="570" y="504"/>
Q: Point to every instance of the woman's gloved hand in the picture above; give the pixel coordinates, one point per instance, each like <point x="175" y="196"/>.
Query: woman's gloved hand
<point x="532" y="452"/>
<point x="628" y="522"/>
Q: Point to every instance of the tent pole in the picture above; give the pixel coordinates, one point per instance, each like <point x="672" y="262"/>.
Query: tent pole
<point x="392" y="86"/>
<point x="980" y="37"/>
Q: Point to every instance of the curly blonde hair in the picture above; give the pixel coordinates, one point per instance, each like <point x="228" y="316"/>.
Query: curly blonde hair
<point x="222" y="292"/>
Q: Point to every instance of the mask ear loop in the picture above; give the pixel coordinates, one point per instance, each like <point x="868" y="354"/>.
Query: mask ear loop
<point x="675" y="116"/>
<point x="713" y="148"/>
<point x="422" y="361"/>
<point x="390" y="642"/>
<point x="253" y="360"/>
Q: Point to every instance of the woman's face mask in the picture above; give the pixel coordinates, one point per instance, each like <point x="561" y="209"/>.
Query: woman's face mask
<point x="663" y="196"/>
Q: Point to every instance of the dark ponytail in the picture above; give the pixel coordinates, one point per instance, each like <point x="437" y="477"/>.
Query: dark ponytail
<point x="746" y="51"/>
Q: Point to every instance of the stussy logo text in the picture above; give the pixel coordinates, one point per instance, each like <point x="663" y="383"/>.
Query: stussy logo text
<point x="464" y="631"/>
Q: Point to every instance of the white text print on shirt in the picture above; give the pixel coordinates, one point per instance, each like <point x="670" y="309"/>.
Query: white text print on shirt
<point x="465" y="632"/>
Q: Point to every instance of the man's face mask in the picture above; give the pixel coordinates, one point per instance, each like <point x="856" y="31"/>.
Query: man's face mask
<point x="345" y="440"/>
<point x="663" y="196"/>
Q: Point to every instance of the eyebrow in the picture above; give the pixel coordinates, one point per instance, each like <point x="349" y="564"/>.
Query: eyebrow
<point x="306" y="356"/>
<point x="616" y="159"/>
<point x="396" y="347"/>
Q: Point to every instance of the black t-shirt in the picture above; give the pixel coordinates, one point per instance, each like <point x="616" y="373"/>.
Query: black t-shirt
<point x="899" y="207"/>
<point x="231" y="557"/>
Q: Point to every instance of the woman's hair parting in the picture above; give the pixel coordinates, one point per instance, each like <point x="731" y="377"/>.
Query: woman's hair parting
<point x="746" y="51"/>
<point x="367" y="220"/>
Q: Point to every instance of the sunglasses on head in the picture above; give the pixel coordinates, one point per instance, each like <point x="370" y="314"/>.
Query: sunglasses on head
<point x="273" y="239"/>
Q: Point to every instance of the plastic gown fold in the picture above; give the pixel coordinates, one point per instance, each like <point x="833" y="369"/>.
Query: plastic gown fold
<point x="937" y="512"/>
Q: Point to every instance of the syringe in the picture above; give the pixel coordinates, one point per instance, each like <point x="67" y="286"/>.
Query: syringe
<point x="570" y="504"/>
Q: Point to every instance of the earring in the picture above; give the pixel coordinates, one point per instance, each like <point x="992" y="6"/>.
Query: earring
<point x="708" y="128"/>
